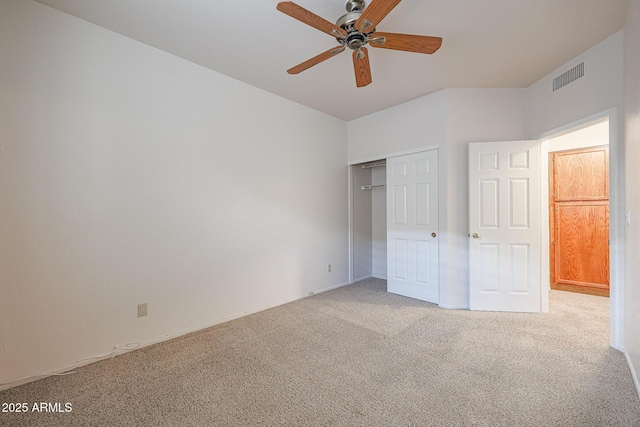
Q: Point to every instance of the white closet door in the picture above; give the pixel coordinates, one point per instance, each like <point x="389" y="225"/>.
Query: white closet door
<point x="412" y="225"/>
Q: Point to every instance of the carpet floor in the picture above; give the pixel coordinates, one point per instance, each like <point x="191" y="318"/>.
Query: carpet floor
<point x="359" y="356"/>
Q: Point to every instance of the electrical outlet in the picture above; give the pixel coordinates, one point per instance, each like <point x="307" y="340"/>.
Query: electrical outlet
<point x="142" y="309"/>
<point x="627" y="218"/>
<point x="329" y="268"/>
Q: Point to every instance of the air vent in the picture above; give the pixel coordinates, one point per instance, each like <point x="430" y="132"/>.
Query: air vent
<point x="569" y="76"/>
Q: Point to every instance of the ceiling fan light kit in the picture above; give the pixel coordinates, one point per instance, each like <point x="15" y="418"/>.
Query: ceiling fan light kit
<point x="355" y="30"/>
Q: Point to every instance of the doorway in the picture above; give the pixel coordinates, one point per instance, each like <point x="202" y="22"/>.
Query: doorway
<point x="581" y="161"/>
<point x="368" y="218"/>
<point x="570" y="136"/>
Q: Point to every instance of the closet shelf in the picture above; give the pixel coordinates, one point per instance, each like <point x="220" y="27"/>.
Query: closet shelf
<point x="374" y="164"/>
<point x="373" y="187"/>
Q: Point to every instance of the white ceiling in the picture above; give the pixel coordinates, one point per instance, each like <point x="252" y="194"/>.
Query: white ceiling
<point x="486" y="43"/>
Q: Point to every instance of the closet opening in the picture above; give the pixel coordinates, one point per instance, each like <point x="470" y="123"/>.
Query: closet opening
<point x="369" y="220"/>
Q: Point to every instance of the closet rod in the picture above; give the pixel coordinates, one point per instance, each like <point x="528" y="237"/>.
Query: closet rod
<point x="374" y="164"/>
<point x="373" y="187"/>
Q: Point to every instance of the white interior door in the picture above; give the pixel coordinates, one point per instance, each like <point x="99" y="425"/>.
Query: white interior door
<point x="412" y="225"/>
<point x="504" y="225"/>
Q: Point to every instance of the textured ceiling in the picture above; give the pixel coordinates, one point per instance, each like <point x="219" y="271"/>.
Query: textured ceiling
<point x="487" y="43"/>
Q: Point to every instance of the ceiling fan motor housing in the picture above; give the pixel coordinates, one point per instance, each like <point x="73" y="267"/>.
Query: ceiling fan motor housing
<point x="348" y="21"/>
<point x="355" y="40"/>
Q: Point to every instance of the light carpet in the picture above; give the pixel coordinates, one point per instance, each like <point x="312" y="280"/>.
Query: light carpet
<point x="359" y="356"/>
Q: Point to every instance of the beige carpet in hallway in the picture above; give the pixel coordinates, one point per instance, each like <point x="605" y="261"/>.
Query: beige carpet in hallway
<point x="358" y="356"/>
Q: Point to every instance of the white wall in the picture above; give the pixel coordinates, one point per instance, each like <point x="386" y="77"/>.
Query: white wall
<point x="589" y="136"/>
<point x="599" y="89"/>
<point x="632" y="158"/>
<point x="128" y="175"/>
<point x="418" y="123"/>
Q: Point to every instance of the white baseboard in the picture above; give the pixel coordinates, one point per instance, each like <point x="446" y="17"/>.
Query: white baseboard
<point x="121" y="350"/>
<point x="118" y="350"/>
<point x="360" y="279"/>
<point x="633" y="372"/>
<point x="454" y="307"/>
<point x="330" y="288"/>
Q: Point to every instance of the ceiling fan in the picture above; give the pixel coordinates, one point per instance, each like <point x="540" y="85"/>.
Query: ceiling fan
<point x="356" y="29"/>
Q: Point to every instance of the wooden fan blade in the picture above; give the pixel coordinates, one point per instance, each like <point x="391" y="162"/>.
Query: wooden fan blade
<point x="374" y="13"/>
<point x="316" y="60"/>
<point x="309" y="18"/>
<point x="406" y="42"/>
<point x="361" y="67"/>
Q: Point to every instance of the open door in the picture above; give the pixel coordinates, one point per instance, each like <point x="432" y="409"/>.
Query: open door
<point x="504" y="226"/>
<point x="412" y="226"/>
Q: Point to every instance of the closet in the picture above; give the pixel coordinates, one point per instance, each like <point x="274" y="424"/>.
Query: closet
<point x="369" y="219"/>
<point x="394" y="229"/>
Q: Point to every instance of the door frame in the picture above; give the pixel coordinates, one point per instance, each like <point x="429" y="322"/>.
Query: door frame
<point x="616" y="209"/>
<point x="350" y="164"/>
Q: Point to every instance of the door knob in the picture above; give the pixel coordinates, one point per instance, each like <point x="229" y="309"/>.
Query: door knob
<point x="433" y="234"/>
<point x="475" y="235"/>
